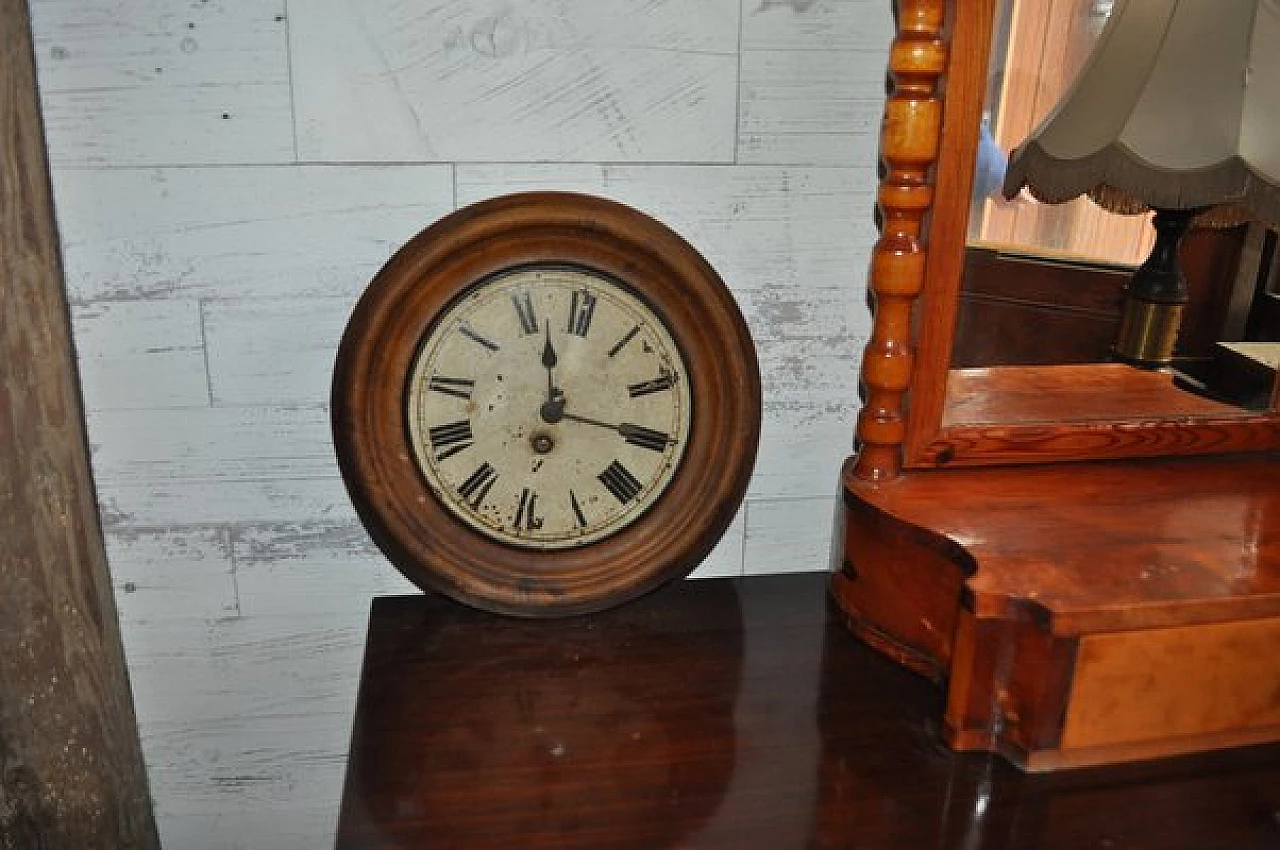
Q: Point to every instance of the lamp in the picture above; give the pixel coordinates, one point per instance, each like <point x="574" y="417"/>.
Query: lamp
<point x="1174" y="111"/>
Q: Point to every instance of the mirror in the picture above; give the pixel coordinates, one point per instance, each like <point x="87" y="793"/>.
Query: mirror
<point x="1040" y="284"/>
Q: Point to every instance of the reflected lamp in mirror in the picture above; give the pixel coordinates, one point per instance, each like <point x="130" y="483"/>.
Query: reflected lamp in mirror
<point x="1175" y="112"/>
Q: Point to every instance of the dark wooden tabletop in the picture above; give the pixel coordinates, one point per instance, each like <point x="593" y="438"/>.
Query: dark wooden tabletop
<point x="724" y="714"/>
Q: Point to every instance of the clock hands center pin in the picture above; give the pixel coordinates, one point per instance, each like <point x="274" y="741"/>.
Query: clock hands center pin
<point x="552" y="410"/>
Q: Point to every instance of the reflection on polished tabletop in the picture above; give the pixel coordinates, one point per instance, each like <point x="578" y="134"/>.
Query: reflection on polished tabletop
<point x="732" y="713"/>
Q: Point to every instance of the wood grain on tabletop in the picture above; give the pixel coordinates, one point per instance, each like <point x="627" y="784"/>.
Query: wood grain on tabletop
<point x="723" y="714"/>
<point x="1078" y="538"/>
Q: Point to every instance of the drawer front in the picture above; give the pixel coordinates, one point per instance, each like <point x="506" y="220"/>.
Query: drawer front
<point x="1133" y="687"/>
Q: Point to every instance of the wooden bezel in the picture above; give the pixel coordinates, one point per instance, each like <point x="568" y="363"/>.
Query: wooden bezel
<point x="416" y="532"/>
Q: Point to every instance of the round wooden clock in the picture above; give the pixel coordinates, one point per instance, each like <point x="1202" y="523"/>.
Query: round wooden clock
<point x="546" y="404"/>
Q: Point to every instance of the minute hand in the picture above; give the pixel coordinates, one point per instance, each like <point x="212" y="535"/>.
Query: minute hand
<point x="637" y="435"/>
<point x="573" y="417"/>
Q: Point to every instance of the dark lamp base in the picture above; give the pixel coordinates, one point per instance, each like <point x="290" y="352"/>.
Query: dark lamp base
<point x="1154" y="297"/>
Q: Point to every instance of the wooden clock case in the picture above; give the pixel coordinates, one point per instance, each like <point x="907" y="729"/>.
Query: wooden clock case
<point x="429" y="545"/>
<point x="1085" y="557"/>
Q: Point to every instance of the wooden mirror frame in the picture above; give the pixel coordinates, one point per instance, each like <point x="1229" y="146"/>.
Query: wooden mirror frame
<point x="937" y="85"/>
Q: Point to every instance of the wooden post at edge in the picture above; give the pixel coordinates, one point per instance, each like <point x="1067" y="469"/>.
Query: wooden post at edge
<point x="71" y="770"/>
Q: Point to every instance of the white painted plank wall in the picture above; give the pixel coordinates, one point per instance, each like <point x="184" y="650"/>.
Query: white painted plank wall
<point x="230" y="173"/>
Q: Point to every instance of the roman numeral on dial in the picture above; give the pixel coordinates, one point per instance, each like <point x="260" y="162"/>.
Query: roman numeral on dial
<point x="645" y="438"/>
<point x="478" y="484"/>
<point x="577" y="510"/>
<point x="523" y="302"/>
<point x="524" y="511"/>
<point x="466" y="331"/>
<point x="665" y="381"/>
<point x="620" y="482"/>
<point x="457" y="387"/>
<point x="622" y="343"/>
<point x="450" y="439"/>
<point x="581" y="307"/>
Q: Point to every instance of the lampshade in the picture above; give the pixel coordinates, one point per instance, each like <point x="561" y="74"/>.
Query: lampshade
<point x="1177" y="108"/>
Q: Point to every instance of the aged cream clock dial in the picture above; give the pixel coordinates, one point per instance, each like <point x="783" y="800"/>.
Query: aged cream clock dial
<point x="545" y="404"/>
<point x="549" y="407"/>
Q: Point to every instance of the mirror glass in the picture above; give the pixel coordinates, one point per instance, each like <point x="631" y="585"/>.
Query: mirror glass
<point x="1041" y="286"/>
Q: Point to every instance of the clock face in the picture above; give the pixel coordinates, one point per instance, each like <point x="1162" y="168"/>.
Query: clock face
<point x="548" y="407"/>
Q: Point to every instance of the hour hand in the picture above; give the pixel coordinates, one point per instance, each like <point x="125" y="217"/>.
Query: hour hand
<point x="549" y="360"/>
<point x="549" y="353"/>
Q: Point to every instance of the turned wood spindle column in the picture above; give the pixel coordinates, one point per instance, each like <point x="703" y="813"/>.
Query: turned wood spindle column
<point x="909" y="143"/>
